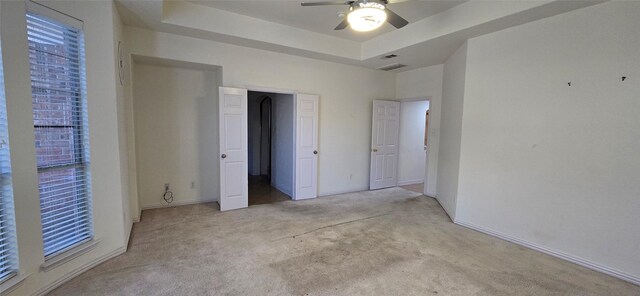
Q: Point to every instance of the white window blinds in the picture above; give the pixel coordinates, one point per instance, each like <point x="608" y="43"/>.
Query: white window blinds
<point x="8" y="262"/>
<point x="56" y="53"/>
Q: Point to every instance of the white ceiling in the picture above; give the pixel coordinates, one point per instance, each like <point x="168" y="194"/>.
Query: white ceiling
<point x="322" y="19"/>
<point x="437" y="28"/>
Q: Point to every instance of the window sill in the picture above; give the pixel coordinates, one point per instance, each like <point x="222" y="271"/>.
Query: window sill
<point x="13" y="282"/>
<point x="68" y="255"/>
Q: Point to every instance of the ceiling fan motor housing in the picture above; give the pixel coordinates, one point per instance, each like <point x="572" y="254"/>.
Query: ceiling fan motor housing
<point x="365" y="15"/>
<point x="369" y="3"/>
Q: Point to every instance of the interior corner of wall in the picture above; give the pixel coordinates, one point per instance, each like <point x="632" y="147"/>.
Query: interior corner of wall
<point x="166" y="8"/>
<point x="451" y="213"/>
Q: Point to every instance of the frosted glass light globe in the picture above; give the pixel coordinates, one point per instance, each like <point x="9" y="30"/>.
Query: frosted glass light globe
<point x="366" y="18"/>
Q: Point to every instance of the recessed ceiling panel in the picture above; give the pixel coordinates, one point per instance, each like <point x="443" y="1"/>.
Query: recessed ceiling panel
<point x="322" y="19"/>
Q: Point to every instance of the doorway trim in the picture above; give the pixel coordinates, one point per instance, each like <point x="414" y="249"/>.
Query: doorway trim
<point x="294" y="93"/>
<point x="271" y="90"/>
<point x="426" y="164"/>
<point x="293" y="155"/>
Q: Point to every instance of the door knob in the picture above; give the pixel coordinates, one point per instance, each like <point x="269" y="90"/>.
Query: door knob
<point x="223" y="156"/>
<point x="374" y="150"/>
<point x="315" y="151"/>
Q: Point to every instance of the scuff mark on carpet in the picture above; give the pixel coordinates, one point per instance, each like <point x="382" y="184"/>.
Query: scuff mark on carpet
<point x="333" y="225"/>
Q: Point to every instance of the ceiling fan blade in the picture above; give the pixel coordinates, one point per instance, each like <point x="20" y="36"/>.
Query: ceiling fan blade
<point x="395" y="20"/>
<point x="323" y="3"/>
<point x="342" y="25"/>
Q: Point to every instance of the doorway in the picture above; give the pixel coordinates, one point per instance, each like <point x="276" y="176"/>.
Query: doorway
<point x="301" y="151"/>
<point x="414" y="141"/>
<point x="400" y="139"/>
<point x="271" y="144"/>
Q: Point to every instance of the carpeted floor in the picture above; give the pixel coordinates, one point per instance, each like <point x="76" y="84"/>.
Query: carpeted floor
<point x="419" y="188"/>
<point x="384" y="242"/>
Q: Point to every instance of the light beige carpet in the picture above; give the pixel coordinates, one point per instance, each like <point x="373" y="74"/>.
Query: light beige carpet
<point x="385" y="242"/>
<point x="419" y="188"/>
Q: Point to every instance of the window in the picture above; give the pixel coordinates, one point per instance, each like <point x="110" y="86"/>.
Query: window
<point x="8" y="250"/>
<point x="56" y="53"/>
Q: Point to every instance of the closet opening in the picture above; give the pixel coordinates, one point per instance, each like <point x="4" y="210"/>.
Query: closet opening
<point x="271" y="144"/>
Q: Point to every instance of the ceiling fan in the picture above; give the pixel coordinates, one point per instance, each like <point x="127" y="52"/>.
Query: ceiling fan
<point x="365" y="15"/>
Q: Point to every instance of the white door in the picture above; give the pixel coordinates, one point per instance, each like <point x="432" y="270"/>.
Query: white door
<point x="306" y="180"/>
<point x="384" y="144"/>
<point x="234" y="169"/>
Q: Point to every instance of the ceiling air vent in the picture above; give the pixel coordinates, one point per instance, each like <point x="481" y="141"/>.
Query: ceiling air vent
<point x="390" y="56"/>
<point x="391" y="67"/>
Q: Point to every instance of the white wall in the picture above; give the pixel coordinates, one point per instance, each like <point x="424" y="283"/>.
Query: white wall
<point x="175" y="111"/>
<point x="282" y="144"/>
<point x="104" y="141"/>
<point x="412" y="155"/>
<point x="121" y="101"/>
<point x="453" y="91"/>
<point x="125" y="110"/>
<point x="346" y="95"/>
<point x="426" y="83"/>
<point x="554" y="166"/>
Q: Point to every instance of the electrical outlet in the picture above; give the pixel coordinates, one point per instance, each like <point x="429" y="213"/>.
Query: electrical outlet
<point x="166" y="186"/>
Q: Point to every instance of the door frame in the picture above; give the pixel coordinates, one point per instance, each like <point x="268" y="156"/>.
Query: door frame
<point x="426" y="164"/>
<point x="294" y="93"/>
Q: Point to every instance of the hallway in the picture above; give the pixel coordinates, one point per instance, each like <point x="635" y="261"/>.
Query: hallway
<point x="260" y="192"/>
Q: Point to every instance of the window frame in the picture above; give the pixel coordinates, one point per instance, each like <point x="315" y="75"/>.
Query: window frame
<point x="7" y="218"/>
<point x="79" y="131"/>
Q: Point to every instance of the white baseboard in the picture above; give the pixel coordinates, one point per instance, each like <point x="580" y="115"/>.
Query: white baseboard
<point x="305" y="198"/>
<point x="128" y="236"/>
<point x="410" y="182"/>
<point x="343" y="191"/>
<point x="281" y="189"/>
<point x="338" y="192"/>
<point x="444" y="209"/>
<point x="48" y="288"/>
<point x="136" y="219"/>
<point x="558" y="254"/>
<point x="178" y="203"/>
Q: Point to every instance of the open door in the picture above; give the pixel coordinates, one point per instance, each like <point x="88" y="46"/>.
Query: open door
<point x="306" y="133"/>
<point x="384" y="144"/>
<point x="234" y="182"/>
<point x="426" y="152"/>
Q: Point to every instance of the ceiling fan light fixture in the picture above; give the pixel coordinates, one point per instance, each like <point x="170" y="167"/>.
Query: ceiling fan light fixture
<point x="365" y="19"/>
